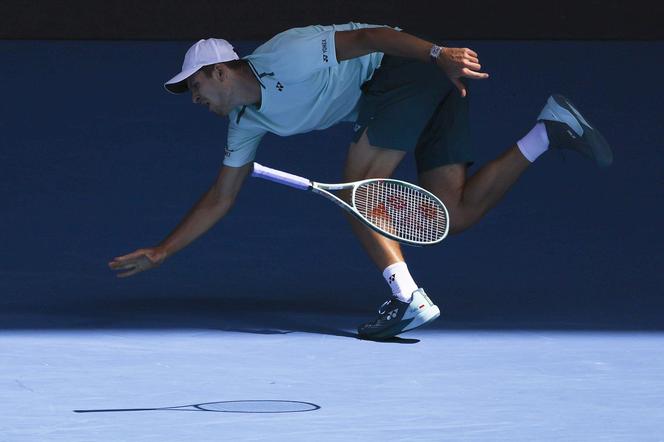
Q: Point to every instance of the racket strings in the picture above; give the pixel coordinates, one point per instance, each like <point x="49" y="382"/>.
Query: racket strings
<point x="402" y="211"/>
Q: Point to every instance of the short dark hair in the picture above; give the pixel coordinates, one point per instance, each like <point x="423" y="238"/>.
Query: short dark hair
<point x="233" y="64"/>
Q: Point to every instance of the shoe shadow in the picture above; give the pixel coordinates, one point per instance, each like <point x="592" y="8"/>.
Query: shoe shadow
<point x="394" y="340"/>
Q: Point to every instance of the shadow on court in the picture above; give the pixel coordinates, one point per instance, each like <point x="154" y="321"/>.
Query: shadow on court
<point x="278" y="317"/>
<point x="242" y="406"/>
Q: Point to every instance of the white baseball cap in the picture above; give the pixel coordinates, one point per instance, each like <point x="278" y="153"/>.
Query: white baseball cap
<point x="202" y="53"/>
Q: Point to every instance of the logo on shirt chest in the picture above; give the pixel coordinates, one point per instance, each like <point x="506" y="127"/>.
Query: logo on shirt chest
<point x="324" y="47"/>
<point x="280" y="87"/>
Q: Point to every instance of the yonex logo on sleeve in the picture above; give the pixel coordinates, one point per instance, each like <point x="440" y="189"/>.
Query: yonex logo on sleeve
<point x="324" y="47"/>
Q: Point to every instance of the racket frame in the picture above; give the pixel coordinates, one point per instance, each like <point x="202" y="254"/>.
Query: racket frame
<point x="324" y="189"/>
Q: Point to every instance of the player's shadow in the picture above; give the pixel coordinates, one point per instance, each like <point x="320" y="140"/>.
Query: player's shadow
<point x="290" y="327"/>
<point x="264" y="317"/>
<point x="312" y="323"/>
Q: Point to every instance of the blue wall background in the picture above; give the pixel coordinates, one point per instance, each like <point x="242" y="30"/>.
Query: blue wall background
<point x="97" y="160"/>
<point x="261" y="19"/>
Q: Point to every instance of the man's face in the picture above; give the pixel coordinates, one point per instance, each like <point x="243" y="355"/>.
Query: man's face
<point x="213" y="91"/>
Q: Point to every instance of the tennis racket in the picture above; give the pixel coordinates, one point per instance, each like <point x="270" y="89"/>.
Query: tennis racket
<point x="396" y="209"/>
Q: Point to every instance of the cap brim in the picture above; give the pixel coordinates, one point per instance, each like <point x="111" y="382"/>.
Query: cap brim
<point x="178" y="84"/>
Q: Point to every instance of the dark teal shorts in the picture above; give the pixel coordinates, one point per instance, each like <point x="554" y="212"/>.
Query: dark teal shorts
<point x="412" y="106"/>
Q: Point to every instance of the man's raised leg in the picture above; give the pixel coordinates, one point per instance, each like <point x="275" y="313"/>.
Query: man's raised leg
<point x="468" y="199"/>
<point x="560" y="125"/>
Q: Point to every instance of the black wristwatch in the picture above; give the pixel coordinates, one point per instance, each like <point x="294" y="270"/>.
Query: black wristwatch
<point x="434" y="53"/>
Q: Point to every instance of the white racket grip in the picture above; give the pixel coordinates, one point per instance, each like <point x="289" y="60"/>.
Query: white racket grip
<point x="280" y="177"/>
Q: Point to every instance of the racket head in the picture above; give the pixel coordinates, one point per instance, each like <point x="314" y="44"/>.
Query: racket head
<point x="401" y="211"/>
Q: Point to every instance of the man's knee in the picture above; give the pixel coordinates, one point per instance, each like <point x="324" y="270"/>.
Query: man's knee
<point x="447" y="183"/>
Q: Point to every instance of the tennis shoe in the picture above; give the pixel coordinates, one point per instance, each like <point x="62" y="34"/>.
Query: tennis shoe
<point x="568" y="129"/>
<point x="395" y="317"/>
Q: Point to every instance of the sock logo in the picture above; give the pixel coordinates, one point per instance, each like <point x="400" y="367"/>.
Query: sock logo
<point x="392" y="278"/>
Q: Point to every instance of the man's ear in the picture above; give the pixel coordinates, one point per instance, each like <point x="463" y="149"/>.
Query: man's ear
<point x="220" y="72"/>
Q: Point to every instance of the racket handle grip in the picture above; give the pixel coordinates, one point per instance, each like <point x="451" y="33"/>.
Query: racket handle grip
<point x="280" y="177"/>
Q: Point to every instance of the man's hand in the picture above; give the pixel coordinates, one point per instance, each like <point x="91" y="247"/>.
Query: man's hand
<point x="455" y="62"/>
<point x="138" y="261"/>
<point x="461" y="62"/>
<point x="213" y="206"/>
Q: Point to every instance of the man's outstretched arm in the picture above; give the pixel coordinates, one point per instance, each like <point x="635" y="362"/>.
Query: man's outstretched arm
<point x="455" y="62"/>
<point x="213" y="206"/>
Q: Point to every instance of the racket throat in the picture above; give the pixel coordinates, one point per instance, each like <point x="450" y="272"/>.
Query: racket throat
<point x="332" y="197"/>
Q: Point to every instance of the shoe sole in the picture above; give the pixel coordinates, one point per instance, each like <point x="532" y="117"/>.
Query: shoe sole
<point x="599" y="147"/>
<point x="421" y="319"/>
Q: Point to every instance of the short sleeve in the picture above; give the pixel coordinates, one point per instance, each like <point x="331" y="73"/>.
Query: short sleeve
<point x="297" y="53"/>
<point x="241" y="146"/>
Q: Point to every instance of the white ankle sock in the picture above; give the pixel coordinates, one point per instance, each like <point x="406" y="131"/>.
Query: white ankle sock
<point x="535" y="143"/>
<point x="398" y="278"/>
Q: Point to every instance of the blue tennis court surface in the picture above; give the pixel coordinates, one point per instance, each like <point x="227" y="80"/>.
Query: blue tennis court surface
<point x="551" y="325"/>
<point x="451" y="385"/>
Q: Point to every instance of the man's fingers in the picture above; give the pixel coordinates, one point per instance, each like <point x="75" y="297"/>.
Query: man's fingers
<point x="473" y="66"/>
<point x="460" y="86"/>
<point x="129" y="256"/>
<point x="134" y="266"/>
<point x="122" y="265"/>
<point x="132" y="258"/>
<point x="124" y="262"/>
<point x="471" y="52"/>
<point x="474" y="75"/>
<point x="115" y="264"/>
<point x="136" y="262"/>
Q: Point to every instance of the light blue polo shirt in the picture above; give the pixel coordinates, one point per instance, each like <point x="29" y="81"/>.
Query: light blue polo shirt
<point x="303" y="88"/>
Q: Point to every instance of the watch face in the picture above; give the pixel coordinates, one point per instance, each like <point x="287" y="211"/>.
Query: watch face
<point x="435" y="52"/>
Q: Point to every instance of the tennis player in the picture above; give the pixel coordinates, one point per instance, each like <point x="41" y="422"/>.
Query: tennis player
<point x="403" y="94"/>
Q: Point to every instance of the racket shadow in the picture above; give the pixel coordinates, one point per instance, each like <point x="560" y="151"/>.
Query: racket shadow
<point x="261" y="406"/>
